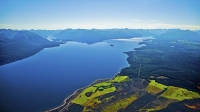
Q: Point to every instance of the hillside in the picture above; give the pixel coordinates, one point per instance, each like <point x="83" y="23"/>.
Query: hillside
<point x="17" y="45"/>
<point x="45" y="33"/>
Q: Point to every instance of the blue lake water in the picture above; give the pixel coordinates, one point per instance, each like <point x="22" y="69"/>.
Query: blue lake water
<point x="44" y="80"/>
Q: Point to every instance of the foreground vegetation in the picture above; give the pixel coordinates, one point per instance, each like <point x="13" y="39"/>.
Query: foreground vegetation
<point x="117" y="95"/>
<point x="89" y="96"/>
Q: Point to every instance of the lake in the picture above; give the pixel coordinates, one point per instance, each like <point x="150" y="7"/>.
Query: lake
<point x="44" y="80"/>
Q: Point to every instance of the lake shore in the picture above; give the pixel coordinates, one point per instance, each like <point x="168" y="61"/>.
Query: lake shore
<point x="67" y="101"/>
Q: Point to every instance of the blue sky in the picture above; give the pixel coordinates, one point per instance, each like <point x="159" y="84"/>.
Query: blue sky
<point x="101" y="14"/>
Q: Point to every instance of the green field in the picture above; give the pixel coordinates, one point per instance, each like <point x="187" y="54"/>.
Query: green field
<point x="119" y="79"/>
<point x="81" y="98"/>
<point x="171" y="92"/>
<point x="102" y="84"/>
<point x="97" y="90"/>
<point x="119" y="104"/>
<point x="179" y="94"/>
<point x="155" y="87"/>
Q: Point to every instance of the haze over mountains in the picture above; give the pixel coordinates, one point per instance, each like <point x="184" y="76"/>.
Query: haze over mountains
<point x="46" y="33"/>
<point x="97" y="35"/>
<point x="16" y="45"/>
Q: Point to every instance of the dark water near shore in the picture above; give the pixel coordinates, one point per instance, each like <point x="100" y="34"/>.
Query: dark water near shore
<point x="44" y="80"/>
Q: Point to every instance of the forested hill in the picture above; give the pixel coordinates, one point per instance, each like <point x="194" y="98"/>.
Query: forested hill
<point x="17" y="45"/>
<point x="174" y="55"/>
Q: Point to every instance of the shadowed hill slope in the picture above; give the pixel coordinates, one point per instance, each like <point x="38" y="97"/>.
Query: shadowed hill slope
<point x="17" y="45"/>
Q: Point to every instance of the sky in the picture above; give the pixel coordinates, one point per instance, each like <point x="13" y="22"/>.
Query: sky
<point x="99" y="14"/>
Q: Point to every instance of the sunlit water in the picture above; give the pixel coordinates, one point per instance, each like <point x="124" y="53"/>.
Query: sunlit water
<point x="44" y="80"/>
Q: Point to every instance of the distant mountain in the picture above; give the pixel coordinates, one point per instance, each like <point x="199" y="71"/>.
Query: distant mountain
<point x="92" y="36"/>
<point x="46" y="33"/>
<point x="198" y="31"/>
<point x="141" y="32"/>
<point x="26" y="36"/>
<point x="98" y="35"/>
<point x="80" y="35"/>
<point x="17" y="45"/>
<point x="7" y="33"/>
<point x="177" y="34"/>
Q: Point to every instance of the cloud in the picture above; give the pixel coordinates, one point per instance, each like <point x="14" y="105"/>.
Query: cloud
<point x="165" y="25"/>
<point x="137" y="20"/>
<point x="5" y="25"/>
<point x="153" y="20"/>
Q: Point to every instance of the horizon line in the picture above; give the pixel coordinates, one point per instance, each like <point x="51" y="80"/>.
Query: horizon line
<point x="102" y="29"/>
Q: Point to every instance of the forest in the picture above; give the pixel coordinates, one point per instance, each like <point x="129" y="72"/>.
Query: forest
<point x="174" y="55"/>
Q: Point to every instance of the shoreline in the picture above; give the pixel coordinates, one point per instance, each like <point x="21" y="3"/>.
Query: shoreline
<point x="65" y="101"/>
<point x="28" y="56"/>
<point x="76" y="92"/>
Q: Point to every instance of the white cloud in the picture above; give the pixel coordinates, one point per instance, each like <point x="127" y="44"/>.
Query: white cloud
<point x="6" y="25"/>
<point x="153" y="20"/>
<point x="138" y="24"/>
<point x="137" y="20"/>
<point x="164" y="25"/>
